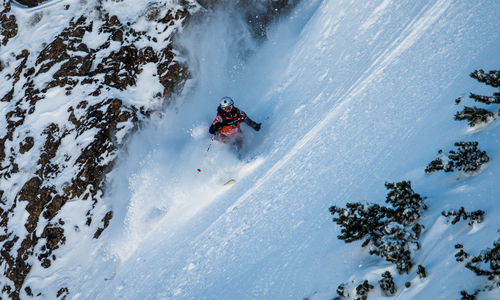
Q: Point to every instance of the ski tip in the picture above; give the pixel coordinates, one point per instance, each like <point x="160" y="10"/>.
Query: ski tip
<point x="230" y="182"/>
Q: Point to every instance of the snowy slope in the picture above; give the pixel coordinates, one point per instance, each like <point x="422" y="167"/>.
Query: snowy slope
<point x="357" y="94"/>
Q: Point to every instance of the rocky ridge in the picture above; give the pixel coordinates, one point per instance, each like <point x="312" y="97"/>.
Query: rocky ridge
<point x="8" y="25"/>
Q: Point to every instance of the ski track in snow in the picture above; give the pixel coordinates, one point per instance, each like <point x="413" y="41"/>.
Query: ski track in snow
<point x="409" y="36"/>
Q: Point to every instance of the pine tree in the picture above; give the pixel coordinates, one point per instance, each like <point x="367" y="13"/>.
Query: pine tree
<point x="474" y="114"/>
<point x="363" y="290"/>
<point x="393" y="231"/>
<point x="343" y="290"/>
<point x="387" y="284"/>
<point x="467" y="158"/>
<point x="467" y="296"/>
<point x="421" y="272"/>
<point x="491" y="261"/>
<point x="492" y="79"/>
<point x="475" y="216"/>
<point x="495" y="99"/>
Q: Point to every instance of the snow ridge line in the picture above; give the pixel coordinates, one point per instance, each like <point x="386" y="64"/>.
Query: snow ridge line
<point x="415" y="30"/>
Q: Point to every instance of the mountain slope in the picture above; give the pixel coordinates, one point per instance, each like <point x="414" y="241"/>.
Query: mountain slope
<point x="357" y="95"/>
<point x="353" y="95"/>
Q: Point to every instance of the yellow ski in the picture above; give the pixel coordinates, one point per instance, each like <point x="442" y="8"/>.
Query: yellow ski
<point x="230" y="182"/>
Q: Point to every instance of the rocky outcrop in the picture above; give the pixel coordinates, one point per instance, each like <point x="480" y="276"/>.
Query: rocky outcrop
<point x="81" y="143"/>
<point x="8" y="25"/>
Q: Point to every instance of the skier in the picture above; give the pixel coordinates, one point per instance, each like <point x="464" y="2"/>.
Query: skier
<point x="226" y="126"/>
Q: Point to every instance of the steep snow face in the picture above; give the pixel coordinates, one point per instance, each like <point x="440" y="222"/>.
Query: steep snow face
<point x="353" y="94"/>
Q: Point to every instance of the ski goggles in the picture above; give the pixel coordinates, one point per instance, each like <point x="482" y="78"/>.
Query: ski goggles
<point x="228" y="108"/>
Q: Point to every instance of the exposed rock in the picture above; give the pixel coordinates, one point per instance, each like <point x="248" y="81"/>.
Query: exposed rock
<point x="105" y="220"/>
<point x="26" y="145"/>
<point x="19" y="69"/>
<point x="57" y="51"/>
<point x="54" y="237"/>
<point x="16" y="269"/>
<point x="62" y="58"/>
<point x="8" y="25"/>
<point x="171" y="16"/>
<point x="8" y="96"/>
<point x="63" y="292"/>
<point x="122" y="67"/>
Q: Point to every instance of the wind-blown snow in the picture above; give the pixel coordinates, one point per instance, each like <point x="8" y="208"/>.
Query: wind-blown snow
<point x="353" y="94"/>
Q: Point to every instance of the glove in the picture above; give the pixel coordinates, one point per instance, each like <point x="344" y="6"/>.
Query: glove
<point x="257" y="126"/>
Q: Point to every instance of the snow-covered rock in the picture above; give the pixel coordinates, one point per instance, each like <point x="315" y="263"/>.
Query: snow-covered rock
<point x="71" y="95"/>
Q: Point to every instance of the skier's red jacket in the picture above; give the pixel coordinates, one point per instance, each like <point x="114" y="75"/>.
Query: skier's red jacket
<point x="228" y="123"/>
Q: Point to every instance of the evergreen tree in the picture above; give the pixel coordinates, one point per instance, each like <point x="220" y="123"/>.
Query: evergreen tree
<point x="475" y="216"/>
<point x="387" y="284"/>
<point x="467" y="158"/>
<point x="393" y="231"/>
<point x="474" y="115"/>
<point x="495" y="99"/>
<point x="467" y="296"/>
<point x="487" y="263"/>
<point x="363" y="290"/>
<point x="343" y="291"/>
<point x="421" y="272"/>
<point x="492" y="79"/>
